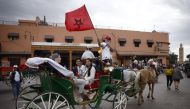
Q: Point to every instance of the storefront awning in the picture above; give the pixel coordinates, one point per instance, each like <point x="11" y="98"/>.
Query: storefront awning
<point x="12" y="34"/>
<point x="87" y="38"/>
<point x="122" y="39"/>
<point x="69" y="37"/>
<point x="150" y="41"/>
<point x="137" y="40"/>
<point x="64" y="44"/>
<point x="143" y="53"/>
<point x="15" y="53"/>
<point x="49" y="36"/>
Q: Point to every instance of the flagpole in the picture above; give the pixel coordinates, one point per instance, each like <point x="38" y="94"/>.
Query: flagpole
<point x="93" y="25"/>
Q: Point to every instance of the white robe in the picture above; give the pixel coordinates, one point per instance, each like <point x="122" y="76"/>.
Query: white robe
<point x="106" y="54"/>
<point x="87" y="55"/>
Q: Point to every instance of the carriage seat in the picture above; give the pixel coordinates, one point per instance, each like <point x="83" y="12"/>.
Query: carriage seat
<point x="96" y="83"/>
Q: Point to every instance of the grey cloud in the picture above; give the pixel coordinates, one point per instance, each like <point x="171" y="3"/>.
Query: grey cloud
<point x="182" y="5"/>
<point x="28" y="9"/>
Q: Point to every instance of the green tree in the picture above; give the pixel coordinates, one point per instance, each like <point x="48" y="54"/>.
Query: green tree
<point x="188" y="56"/>
<point x="173" y="58"/>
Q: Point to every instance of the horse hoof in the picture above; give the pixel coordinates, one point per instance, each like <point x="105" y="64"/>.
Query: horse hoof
<point x="148" y="96"/>
<point x="153" y="98"/>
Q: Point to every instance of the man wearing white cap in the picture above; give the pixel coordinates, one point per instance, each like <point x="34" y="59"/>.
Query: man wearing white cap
<point x="16" y="79"/>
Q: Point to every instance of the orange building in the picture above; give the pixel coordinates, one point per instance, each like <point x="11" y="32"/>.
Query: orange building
<point x="27" y="38"/>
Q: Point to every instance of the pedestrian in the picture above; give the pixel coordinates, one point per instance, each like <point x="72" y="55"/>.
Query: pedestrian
<point x="177" y="76"/>
<point x="16" y="79"/>
<point x="168" y="72"/>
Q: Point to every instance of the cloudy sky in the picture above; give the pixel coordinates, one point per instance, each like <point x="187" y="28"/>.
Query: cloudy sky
<point x="172" y="16"/>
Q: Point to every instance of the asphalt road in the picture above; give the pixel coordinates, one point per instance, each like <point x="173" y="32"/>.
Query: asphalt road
<point x="164" y="98"/>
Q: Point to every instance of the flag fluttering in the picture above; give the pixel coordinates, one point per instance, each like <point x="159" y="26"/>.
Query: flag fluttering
<point x="78" y="20"/>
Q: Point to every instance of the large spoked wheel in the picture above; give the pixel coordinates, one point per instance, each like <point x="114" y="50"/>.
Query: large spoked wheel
<point x="50" y="100"/>
<point x="7" y="81"/>
<point x="26" y="95"/>
<point x="29" y="79"/>
<point x="120" y="101"/>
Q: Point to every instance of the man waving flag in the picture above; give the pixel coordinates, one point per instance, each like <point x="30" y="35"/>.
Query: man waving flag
<point x="78" y="20"/>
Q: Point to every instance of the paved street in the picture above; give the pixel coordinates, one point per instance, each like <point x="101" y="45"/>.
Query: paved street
<point x="165" y="99"/>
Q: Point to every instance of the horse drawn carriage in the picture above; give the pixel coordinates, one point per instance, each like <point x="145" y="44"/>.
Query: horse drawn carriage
<point x="56" y="91"/>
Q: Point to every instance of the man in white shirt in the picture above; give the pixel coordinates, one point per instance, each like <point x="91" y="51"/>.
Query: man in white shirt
<point x="16" y="78"/>
<point x="106" y="50"/>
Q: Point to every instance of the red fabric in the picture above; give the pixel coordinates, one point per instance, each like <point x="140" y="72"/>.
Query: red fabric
<point x="6" y="69"/>
<point x="78" y="20"/>
<point x="22" y="67"/>
<point x="107" y="37"/>
<point x="96" y="83"/>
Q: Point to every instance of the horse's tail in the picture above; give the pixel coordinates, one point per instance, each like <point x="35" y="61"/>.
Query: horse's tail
<point x="137" y="80"/>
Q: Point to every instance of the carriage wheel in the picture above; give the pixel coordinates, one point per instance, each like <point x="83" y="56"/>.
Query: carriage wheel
<point x="120" y="101"/>
<point x="26" y="95"/>
<point x="7" y="81"/>
<point x="29" y="79"/>
<point x="50" y="100"/>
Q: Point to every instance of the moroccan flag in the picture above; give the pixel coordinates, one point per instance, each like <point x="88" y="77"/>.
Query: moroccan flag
<point x="78" y="20"/>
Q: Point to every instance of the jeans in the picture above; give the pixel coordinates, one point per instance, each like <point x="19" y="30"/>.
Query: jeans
<point x="169" y="80"/>
<point x="16" y="88"/>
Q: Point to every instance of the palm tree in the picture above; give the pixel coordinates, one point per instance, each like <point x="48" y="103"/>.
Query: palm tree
<point x="173" y="58"/>
<point x="188" y="56"/>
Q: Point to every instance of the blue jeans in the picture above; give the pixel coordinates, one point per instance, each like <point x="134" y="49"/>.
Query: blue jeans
<point x="16" y="88"/>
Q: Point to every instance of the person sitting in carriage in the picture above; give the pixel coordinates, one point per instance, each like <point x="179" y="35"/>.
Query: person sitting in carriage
<point x="53" y="61"/>
<point x="78" y="69"/>
<point x="86" y="77"/>
<point x="135" y="65"/>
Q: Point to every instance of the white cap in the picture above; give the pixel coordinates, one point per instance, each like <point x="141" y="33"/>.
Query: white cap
<point x="15" y="66"/>
<point x="135" y="61"/>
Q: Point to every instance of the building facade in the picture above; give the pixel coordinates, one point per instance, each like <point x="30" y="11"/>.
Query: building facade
<point x="29" y="38"/>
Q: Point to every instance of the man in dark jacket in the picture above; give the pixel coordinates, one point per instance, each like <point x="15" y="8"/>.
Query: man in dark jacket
<point x="177" y="76"/>
<point x="16" y="79"/>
